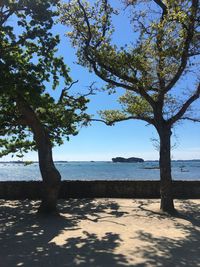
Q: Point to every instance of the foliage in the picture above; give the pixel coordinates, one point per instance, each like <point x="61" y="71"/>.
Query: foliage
<point x="152" y="67"/>
<point x="28" y="65"/>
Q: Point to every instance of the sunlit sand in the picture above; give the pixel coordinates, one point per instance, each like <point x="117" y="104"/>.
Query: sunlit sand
<point x="100" y="232"/>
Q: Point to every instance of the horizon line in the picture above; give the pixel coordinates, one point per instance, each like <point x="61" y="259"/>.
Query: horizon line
<point x="36" y="161"/>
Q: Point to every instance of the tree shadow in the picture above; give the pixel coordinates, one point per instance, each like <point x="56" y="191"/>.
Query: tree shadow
<point x="163" y="251"/>
<point x="92" y="209"/>
<point x="26" y="238"/>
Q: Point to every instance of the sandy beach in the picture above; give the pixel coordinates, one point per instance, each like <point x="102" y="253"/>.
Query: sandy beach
<point x="100" y="232"/>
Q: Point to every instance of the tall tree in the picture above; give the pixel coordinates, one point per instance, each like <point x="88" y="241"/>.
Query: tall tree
<point x="30" y="118"/>
<point x="151" y="68"/>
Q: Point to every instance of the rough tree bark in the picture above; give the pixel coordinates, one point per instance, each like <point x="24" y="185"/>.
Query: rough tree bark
<point x="50" y="175"/>
<point x="166" y="193"/>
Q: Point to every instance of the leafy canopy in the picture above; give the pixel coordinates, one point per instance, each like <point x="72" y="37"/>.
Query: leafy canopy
<point x="152" y="67"/>
<point x="28" y="65"/>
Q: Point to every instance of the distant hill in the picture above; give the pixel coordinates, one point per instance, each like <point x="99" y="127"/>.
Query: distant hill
<point x="129" y="160"/>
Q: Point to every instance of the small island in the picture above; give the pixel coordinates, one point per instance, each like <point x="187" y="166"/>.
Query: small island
<point x="129" y="160"/>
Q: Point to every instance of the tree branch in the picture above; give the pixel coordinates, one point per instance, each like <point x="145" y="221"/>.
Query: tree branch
<point x="104" y="27"/>
<point x="4" y="17"/>
<point x="185" y="106"/>
<point x="111" y="123"/>
<point x="108" y="80"/>
<point x="115" y="83"/>
<point x="159" y="45"/>
<point x="107" y="123"/>
<point x="91" y="90"/>
<point x="111" y="70"/>
<point x="163" y="6"/>
<point x="190" y="119"/>
<point x="185" y="54"/>
<point x="87" y="22"/>
<point x="64" y="91"/>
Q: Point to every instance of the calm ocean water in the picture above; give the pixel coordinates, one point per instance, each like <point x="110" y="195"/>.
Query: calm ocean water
<point x="181" y="170"/>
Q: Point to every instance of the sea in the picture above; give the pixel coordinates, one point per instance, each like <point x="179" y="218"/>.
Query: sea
<point x="100" y="170"/>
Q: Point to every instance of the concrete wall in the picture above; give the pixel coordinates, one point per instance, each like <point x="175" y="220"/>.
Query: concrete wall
<point x="91" y="189"/>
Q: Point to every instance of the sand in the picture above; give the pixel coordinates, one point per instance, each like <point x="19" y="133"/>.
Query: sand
<point x="100" y="232"/>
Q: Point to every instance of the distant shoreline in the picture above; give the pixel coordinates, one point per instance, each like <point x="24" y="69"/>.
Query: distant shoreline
<point x="93" y="161"/>
<point x="100" y="170"/>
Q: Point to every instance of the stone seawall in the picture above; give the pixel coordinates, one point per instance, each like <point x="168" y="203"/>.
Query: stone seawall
<point x="92" y="189"/>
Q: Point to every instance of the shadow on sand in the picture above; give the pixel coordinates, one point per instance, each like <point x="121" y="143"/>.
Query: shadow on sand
<point x="25" y="238"/>
<point x="169" y="252"/>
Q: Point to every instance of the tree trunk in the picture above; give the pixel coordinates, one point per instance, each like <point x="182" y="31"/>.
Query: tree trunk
<point x="50" y="175"/>
<point x="167" y="204"/>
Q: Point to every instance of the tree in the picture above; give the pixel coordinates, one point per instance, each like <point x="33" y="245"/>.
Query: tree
<point x="151" y="68"/>
<point x="30" y="118"/>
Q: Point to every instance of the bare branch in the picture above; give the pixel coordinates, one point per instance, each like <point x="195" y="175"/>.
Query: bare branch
<point x="193" y="54"/>
<point x="5" y="16"/>
<point x="91" y="90"/>
<point x="190" y="119"/>
<point x="64" y="91"/>
<point x="185" y="106"/>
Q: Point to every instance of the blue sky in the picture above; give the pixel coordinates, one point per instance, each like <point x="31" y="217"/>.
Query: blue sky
<point x="130" y="138"/>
